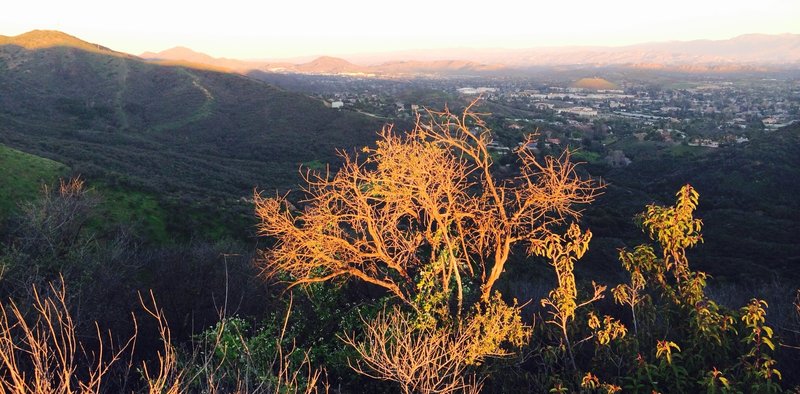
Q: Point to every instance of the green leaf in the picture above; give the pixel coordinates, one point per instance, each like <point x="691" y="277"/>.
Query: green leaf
<point x="768" y="330"/>
<point x="768" y="342"/>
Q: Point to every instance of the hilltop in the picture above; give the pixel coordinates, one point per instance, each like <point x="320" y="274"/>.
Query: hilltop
<point x="187" y="56"/>
<point x="40" y="39"/>
<point x="329" y="65"/>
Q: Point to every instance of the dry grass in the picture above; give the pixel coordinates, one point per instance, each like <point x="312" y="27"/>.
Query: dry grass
<point x="40" y="351"/>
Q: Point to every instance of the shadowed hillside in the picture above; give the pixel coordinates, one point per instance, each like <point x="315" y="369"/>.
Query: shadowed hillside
<point x="174" y="129"/>
<point x="751" y="212"/>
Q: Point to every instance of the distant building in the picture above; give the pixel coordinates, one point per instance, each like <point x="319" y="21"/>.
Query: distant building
<point x="580" y="111"/>
<point x="337" y="104"/>
<point x="705" y="143"/>
<point x="494" y="146"/>
<point x="474" y="91"/>
<point x="531" y="146"/>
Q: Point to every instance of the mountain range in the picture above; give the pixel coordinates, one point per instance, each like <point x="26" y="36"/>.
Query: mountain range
<point x="752" y="52"/>
<point x="323" y="64"/>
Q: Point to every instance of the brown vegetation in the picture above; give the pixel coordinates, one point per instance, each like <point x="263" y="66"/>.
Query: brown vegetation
<point x="41" y="353"/>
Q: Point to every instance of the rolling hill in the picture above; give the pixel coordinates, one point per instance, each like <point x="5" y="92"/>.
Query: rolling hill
<point x="39" y="39"/>
<point x="188" y="133"/>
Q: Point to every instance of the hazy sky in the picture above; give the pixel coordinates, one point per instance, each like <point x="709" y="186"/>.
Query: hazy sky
<point x="276" y="29"/>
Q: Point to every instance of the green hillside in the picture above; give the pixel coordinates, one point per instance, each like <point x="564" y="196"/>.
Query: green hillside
<point x="22" y="176"/>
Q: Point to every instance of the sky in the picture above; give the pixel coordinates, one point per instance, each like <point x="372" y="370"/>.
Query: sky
<point x="270" y="29"/>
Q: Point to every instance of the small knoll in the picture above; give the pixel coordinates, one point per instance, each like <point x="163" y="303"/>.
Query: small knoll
<point x="594" y="84"/>
<point x="330" y="65"/>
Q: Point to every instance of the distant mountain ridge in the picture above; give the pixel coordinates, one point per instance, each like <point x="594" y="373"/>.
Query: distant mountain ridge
<point x="324" y="64"/>
<point x="748" y="49"/>
<point x="751" y="53"/>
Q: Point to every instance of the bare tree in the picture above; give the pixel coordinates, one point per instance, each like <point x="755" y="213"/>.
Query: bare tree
<point x="51" y="226"/>
<point x="428" y="198"/>
<point x="427" y="360"/>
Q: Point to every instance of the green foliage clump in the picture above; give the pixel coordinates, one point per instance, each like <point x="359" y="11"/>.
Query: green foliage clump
<point x="682" y="341"/>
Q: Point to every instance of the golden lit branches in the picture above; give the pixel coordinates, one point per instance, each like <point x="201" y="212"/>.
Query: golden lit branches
<point x="428" y="197"/>
<point x="421" y="360"/>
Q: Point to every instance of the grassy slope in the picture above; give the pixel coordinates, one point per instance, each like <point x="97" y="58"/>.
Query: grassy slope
<point x="22" y="176"/>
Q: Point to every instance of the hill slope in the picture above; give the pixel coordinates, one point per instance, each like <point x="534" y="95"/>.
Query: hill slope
<point x="187" y="132"/>
<point x="748" y="203"/>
